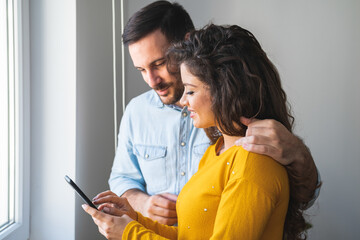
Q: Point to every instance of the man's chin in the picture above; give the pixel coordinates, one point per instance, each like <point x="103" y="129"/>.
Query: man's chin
<point x="170" y="97"/>
<point x="167" y="100"/>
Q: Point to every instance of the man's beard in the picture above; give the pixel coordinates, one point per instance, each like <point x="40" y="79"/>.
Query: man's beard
<point x="178" y="90"/>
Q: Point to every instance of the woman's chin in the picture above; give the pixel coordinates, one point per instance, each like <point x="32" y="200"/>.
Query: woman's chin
<point x="201" y="125"/>
<point x="197" y="125"/>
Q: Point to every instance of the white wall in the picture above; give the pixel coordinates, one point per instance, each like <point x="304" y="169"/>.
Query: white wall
<point x="53" y="118"/>
<point x="72" y="129"/>
<point x="315" y="45"/>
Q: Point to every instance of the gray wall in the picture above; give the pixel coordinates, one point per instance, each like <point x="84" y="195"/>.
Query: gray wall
<point x="94" y="103"/>
<point x="315" y="45"/>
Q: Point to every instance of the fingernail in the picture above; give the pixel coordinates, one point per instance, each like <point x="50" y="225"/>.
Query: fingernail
<point x="239" y="142"/>
<point x="83" y="206"/>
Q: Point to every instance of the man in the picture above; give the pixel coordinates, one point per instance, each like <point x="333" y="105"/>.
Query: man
<point x="158" y="148"/>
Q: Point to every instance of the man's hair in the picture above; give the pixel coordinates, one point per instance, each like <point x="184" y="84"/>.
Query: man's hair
<point x="171" y="18"/>
<point x="242" y="82"/>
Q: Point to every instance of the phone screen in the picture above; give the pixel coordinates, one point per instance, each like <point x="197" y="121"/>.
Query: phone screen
<point x="78" y="190"/>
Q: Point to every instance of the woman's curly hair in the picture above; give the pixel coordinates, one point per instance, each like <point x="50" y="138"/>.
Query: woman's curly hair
<point x="242" y="82"/>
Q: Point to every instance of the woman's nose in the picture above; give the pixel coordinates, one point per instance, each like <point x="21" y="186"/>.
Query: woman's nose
<point x="183" y="100"/>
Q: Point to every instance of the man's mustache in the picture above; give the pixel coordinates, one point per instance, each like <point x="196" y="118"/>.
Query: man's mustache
<point x="161" y="86"/>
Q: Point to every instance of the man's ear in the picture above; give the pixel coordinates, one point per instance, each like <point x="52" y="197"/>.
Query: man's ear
<point x="187" y="35"/>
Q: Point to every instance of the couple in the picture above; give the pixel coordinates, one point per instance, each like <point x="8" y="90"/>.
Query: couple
<point x="235" y="193"/>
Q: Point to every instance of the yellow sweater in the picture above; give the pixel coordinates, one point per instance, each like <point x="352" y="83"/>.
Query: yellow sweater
<point x="236" y="195"/>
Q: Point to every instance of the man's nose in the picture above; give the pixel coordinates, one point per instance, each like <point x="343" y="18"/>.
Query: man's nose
<point x="153" y="78"/>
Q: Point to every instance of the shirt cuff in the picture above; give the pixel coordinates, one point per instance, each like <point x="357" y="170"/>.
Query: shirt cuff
<point x="317" y="191"/>
<point x="120" y="189"/>
<point x="129" y="229"/>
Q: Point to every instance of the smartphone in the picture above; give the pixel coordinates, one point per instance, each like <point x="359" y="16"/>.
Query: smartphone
<point x="78" y="190"/>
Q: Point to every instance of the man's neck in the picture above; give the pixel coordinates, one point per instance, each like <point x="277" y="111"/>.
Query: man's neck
<point x="178" y="104"/>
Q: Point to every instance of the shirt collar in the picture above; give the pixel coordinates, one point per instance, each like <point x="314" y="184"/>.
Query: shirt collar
<point x="155" y="100"/>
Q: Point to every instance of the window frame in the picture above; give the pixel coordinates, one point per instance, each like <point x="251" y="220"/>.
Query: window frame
<point x="19" y="229"/>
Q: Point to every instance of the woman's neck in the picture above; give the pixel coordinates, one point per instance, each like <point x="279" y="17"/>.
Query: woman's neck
<point x="229" y="141"/>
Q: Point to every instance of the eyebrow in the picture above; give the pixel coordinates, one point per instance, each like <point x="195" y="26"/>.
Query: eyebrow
<point x="189" y="84"/>
<point x="153" y="62"/>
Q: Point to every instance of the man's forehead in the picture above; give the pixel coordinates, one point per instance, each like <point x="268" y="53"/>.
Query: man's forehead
<point x="149" y="49"/>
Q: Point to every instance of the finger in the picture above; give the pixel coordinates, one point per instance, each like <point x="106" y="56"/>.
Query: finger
<point x="258" y="140"/>
<point x="240" y="141"/>
<point x="88" y="209"/>
<point x="273" y="134"/>
<point x="169" y="196"/>
<point x="162" y="202"/>
<point x="100" y="219"/>
<point x="261" y="149"/>
<point x="162" y="212"/>
<point x="251" y="131"/>
<point x="111" y="209"/>
<point x="111" y="199"/>
<point x="247" y="121"/>
<point x="107" y="205"/>
<point x="265" y="123"/>
<point x="103" y="194"/>
<point x="95" y="214"/>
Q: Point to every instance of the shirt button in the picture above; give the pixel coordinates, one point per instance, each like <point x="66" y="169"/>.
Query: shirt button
<point x="147" y="156"/>
<point x="182" y="173"/>
<point x="183" y="144"/>
<point x="184" y="114"/>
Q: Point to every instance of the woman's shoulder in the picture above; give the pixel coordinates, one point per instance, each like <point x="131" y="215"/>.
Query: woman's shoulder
<point x="260" y="169"/>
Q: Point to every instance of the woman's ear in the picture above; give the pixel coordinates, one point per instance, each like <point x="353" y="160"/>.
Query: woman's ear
<point x="187" y="35"/>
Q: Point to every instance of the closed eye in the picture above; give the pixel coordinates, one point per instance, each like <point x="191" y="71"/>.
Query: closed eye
<point x="160" y="63"/>
<point x="140" y="69"/>
<point x="190" y="92"/>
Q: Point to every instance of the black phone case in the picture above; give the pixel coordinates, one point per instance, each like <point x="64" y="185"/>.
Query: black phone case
<point x="81" y="194"/>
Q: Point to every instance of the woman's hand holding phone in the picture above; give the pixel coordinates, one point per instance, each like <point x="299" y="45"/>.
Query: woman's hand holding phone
<point x="112" y="204"/>
<point x="113" y="214"/>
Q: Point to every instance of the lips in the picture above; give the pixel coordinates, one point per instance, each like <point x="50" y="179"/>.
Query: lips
<point x="163" y="91"/>
<point x="192" y="113"/>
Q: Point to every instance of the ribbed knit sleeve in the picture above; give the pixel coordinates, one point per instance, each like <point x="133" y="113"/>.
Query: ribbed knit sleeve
<point x="145" y="228"/>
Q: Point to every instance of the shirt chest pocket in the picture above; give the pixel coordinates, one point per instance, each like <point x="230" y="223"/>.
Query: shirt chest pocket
<point x="152" y="161"/>
<point x="200" y="149"/>
<point x="198" y="152"/>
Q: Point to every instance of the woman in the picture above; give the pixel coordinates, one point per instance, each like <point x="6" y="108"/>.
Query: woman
<point x="235" y="194"/>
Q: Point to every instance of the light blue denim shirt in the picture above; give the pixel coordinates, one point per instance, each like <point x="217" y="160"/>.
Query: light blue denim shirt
<point x="158" y="150"/>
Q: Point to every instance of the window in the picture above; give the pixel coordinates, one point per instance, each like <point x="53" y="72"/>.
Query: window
<point x="6" y="122"/>
<point x="14" y="164"/>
